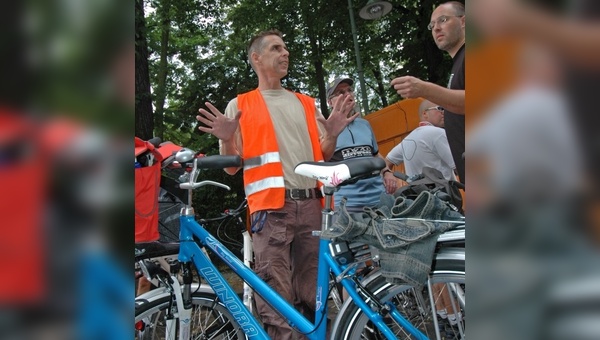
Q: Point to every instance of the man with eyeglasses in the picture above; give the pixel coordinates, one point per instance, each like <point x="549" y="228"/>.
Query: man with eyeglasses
<point x="357" y="140"/>
<point x="425" y="146"/>
<point x="448" y="30"/>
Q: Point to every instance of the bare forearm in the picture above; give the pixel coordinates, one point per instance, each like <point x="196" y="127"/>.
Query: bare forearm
<point x="389" y="181"/>
<point x="452" y="100"/>
<point x="328" y="147"/>
<point x="577" y="40"/>
<point x="229" y="148"/>
<point x="388" y="164"/>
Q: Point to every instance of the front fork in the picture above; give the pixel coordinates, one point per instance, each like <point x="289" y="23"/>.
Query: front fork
<point x="248" y="260"/>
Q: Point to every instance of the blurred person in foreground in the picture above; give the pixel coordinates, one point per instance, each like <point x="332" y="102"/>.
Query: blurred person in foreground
<point x="528" y="198"/>
<point x="65" y="197"/>
<point x="526" y="174"/>
<point x="65" y="171"/>
<point x="448" y="31"/>
<point x="573" y="36"/>
<point x="425" y="146"/>
<point x="562" y="279"/>
<point x="274" y="129"/>
<point x="358" y="140"/>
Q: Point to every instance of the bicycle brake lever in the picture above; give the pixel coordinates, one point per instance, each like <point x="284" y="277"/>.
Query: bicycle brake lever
<point x="203" y="183"/>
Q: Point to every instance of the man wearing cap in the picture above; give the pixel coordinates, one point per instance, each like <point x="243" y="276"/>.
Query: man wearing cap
<point x="357" y="140"/>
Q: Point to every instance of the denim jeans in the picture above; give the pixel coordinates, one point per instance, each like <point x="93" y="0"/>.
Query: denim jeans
<point x="406" y="247"/>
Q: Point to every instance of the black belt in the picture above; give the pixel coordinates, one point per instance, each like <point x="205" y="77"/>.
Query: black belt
<point x="303" y="194"/>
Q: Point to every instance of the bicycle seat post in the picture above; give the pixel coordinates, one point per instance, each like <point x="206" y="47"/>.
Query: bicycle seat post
<point x="327" y="209"/>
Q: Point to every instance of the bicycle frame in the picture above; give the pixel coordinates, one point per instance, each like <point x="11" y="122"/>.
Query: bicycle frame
<point x="194" y="240"/>
<point x="191" y="251"/>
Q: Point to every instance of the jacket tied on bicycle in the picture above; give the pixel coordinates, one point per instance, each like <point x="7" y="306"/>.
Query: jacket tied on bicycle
<point x="264" y="184"/>
<point x="405" y="231"/>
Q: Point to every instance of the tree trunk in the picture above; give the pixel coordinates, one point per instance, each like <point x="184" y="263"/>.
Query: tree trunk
<point x="144" y="122"/>
<point x="322" y="90"/>
<point x="319" y="74"/>
<point x="163" y="70"/>
<point x="316" y="59"/>
<point x="380" y="88"/>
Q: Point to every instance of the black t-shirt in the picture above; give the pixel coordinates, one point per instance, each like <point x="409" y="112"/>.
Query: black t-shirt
<point x="455" y="123"/>
<point x="582" y="86"/>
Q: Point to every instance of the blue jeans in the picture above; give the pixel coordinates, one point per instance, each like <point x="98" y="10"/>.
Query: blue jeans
<point x="406" y="246"/>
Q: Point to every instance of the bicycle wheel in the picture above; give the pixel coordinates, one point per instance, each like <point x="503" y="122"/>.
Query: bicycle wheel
<point x="448" y="283"/>
<point x="210" y="319"/>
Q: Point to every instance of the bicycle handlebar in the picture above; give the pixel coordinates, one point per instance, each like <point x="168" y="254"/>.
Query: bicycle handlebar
<point x="207" y="162"/>
<point x="218" y="162"/>
<point x="401" y="175"/>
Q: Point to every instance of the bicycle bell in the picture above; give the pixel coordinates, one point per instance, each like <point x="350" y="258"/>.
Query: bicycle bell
<point x="184" y="155"/>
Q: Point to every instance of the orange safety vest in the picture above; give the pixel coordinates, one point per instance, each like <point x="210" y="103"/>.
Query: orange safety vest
<point x="263" y="173"/>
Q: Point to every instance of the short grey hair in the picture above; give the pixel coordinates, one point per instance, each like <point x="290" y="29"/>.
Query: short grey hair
<point x="256" y="44"/>
<point x="425" y="104"/>
<point x="459" y="7"/>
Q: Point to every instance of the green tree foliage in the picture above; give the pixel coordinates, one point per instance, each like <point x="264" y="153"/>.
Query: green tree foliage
<point x="202" y="46"/>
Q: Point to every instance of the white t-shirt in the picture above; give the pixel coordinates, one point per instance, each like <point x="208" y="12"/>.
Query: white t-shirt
<point x="425" y="146"/>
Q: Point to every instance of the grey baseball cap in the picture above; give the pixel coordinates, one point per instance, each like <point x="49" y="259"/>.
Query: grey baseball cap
<point x="333" y="84"/>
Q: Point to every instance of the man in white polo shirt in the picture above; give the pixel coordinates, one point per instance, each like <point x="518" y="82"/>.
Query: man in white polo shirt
<point x="425" y="146"/>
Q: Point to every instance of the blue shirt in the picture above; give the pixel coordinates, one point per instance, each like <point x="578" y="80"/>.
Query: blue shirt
<point x="358" y="140"/>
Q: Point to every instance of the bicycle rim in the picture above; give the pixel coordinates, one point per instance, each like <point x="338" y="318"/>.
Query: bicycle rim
<point x="414" y="304"/>
<point x="209" y="320"/>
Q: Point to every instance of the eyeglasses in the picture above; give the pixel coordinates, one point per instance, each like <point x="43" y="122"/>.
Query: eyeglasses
<point x="438" y="108"/>
<point x="441" y="20"/>
<point x="337" y="93"/>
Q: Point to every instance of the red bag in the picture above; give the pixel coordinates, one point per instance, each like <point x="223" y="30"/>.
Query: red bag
<point x="147" y="186"/>
<point x="167" y="150"/>
<point x="23" y="198"/>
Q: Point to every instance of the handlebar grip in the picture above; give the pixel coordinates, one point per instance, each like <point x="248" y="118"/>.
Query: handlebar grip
<point x="218" y="162"/>
<point x="400" y="175"/>
<point x="155" y="141"/>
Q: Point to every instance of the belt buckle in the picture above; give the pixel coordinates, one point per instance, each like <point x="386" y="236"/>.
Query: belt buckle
<point x="292" y="194"/>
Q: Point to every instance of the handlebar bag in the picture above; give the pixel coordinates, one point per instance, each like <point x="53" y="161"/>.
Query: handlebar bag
<point x="147" y="188"/>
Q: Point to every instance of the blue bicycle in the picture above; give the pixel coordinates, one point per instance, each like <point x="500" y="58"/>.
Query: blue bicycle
<point x="374" y="309"/>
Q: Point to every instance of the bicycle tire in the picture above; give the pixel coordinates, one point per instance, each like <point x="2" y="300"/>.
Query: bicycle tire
<point x="210" y="318"/>
<point x="353" y="324"/>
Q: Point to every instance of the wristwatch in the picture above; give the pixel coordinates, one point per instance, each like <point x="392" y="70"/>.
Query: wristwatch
<point x="384" y="171"/>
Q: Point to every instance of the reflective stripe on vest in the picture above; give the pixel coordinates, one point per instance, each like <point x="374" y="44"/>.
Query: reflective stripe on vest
<point x="267" y="183"/>
<point x="269" y="157"/>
